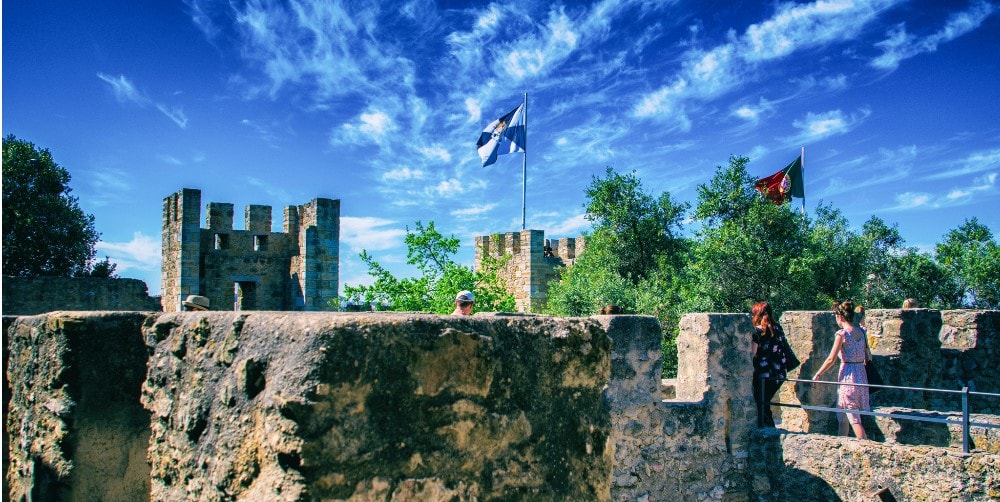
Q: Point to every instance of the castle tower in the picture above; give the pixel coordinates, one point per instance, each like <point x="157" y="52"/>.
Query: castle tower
<point x="255" y="268"/>
<point x="181" y="248"/>
<point x="532" y="265"/>
<point x="315" y="271"/>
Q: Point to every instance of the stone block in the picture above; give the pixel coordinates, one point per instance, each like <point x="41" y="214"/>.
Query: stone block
<point x="79" y="431"/>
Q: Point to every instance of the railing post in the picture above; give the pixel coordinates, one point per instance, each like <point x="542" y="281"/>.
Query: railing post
<point x="965" y="419"/>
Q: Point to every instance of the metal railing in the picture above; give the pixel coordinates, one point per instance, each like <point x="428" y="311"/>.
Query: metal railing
<point x="964" y="422"/>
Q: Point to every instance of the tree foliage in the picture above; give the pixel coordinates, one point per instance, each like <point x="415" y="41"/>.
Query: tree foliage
<point x="746" y="249"/>
<point x="972" y="257"/>
<point x="440" y="279"/>
<point x="45" y="233"/>
<point x="632" y="258"/>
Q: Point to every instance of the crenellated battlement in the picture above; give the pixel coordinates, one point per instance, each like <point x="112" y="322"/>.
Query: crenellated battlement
<point x="254" y="268"/>
<point x="534" y="262"/>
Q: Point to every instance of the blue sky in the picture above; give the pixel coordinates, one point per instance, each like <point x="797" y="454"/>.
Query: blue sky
<point x="279" y="102"/>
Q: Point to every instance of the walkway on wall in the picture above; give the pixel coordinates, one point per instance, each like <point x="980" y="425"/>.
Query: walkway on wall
<point x="964" y="422"/>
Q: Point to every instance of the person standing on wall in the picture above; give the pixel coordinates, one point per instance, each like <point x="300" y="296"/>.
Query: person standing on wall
<point x="464" y="302"/>
<point x="772" y="358"/>
<point x="851" y="345"/>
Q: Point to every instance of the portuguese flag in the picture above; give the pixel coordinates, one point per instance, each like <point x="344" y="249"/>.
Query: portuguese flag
<point x="781" y="186"/>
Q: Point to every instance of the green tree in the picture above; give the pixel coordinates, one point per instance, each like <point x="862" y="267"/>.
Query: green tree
<point x="45" y="233"/>
<point x="748" y="250"/>
<point x="831" y="264"/>
<point x="632" y="259"/>
<point x="971" y="255"/>
<point x="643" y="231"/>
<point x="913" y="274"/>
<point x="103" y="269"/>
<point x="439" y="281"/>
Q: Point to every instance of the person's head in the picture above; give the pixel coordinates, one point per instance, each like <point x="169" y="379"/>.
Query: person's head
<point x="195" y="302"/>
<point x="611" y="310"/>
<point x="464" y="302"/>
<point x="763" y="317"/>
<point x="911" y="303"/>
<point x="846" y="310"/>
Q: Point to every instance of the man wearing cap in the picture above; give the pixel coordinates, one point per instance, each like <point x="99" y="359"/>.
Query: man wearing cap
<point x="464" y="302"/>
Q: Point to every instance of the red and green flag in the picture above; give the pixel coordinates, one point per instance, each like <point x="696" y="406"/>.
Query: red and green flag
<point x="781" y="186"/>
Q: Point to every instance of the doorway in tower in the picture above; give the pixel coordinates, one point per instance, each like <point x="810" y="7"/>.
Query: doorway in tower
<point x="245" y="295"/>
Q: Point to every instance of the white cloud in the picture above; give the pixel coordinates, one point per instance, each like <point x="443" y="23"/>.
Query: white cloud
<point x="448" y="188"/>
<point x="124" y="89"/>
<point x="375" y="124"/>
<point x="573" y="226"/>
<point x="816" y="126"/>
<point x="475" y="110"/>
<point x="435" y="152"/>
<point x="980" y="184"/>
<point x="110" y="180"/>
<point x="899" y="45"/>
<point x="706" y="74"/>
<point x="532" y="56"/>
<point x="911" y="200"/>
<point x="369" y="233"/>
<point x="175" y="114"/>
<point x="975" y="162"/>
<point x="403" y="174"/>
<point x="754" y="113"/>
<point x="371" y="126"/>
<point x="473" y="211"/>
<point x="126" y="92"/>
<point x="142" y="253"/>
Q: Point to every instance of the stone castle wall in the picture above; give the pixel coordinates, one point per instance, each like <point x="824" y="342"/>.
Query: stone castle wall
<point x="255" y="268"/>
<point x="380" y="406"/>
<point x="37" y="295"/>
<point x="533" y="262"/>
<point x="918" y="348"/>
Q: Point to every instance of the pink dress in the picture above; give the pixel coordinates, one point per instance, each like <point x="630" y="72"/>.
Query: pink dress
<point x="852" y="370"/>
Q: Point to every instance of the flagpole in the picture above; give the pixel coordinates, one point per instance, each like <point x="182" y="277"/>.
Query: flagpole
<point x="524" y="165"/>
<point x="802" y="161"/>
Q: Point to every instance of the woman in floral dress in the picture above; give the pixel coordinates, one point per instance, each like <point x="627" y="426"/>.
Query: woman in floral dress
<point x="851" y="346"/>
<point x="770" y="363"/>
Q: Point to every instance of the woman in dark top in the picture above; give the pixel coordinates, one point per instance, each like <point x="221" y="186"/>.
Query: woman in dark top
<point x="769" y="360"/>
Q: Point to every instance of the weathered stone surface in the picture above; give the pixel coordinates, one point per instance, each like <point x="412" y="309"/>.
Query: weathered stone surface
<point x="37" y="295"/>
<point x="529" y="269"/>
<point x="302" y="406"/>
<point x="945" y="435"/>
<point x="907" y="352"/>
<point x="811" y="336"/>
<point x="377" y="406"/>
<point x="693" y="447"/>
<point x="970" y="341"/>
<point x="813" y="467"/>
<point x="78" y="431"/>
<point x="297" y="269"/>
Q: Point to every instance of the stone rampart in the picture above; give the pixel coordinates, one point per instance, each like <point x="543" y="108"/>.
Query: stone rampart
<point x="532" y="262"/>
<point x="394" y="406"/>
<point x="695" y="446"/>
<point x="77" y="428"/>
<point x="37" y="295"/>
<point x="910" y="347"/>
<point x="812" y="467"/>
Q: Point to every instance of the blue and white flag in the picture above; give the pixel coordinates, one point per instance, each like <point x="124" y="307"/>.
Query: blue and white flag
<point x="504" y="135"/>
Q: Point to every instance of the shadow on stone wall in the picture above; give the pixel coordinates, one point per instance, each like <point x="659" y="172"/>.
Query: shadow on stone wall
<point x="81" y="432"/>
